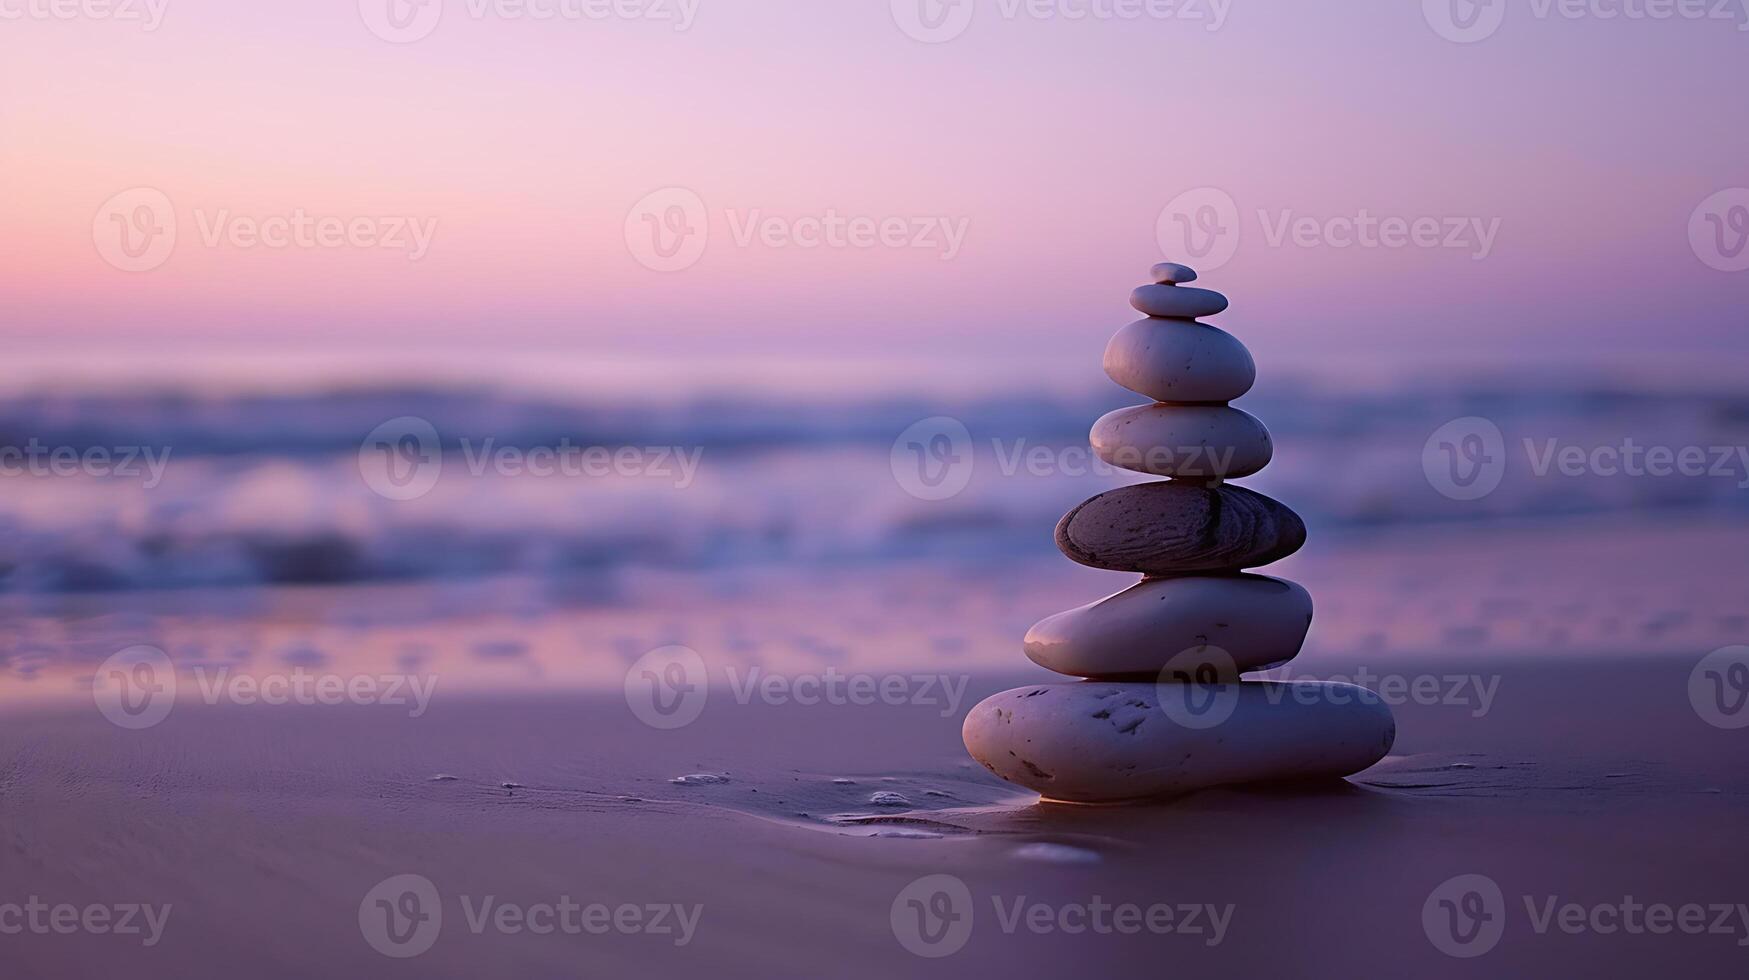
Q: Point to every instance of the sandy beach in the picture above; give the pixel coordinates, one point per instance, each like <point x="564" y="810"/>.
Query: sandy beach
<point x="658" y="489"/>
<point x="263" y="830"/>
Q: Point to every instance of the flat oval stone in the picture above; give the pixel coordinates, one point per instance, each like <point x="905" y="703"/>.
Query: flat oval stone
<point x="1177" y="301"/>
<point x="1203" y="442"/>
<point x="1172" y="272"/>
<point x="1101" y="742"/>
<point x="1175" y="528"/>
<point x="1179" y="361"/>
<point x="1253" y="622"/>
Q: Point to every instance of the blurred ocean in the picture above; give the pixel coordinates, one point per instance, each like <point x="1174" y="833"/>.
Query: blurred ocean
<point x="795" y="540"/>
<point x="268" y="490"/>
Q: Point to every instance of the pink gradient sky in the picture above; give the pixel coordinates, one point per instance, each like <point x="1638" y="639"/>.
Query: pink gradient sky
<point x="1058" y="142"/>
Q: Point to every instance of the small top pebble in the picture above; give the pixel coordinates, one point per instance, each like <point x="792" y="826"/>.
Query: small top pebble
<point x="1172" y="272"/>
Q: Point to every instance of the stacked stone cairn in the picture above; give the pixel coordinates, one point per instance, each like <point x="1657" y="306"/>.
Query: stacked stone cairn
<point x="1162" y="709"/>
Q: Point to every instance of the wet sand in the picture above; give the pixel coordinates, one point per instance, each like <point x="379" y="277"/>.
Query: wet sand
<point x="264" y="828"/>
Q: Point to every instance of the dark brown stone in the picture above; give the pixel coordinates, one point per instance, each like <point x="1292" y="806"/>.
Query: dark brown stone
<point x="1174" y="528"/>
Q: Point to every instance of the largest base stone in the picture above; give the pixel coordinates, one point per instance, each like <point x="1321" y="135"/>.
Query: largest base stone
<point x="1096" y="742"/>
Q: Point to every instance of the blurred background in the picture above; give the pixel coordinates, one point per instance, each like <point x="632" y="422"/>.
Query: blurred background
<point x="518" y="340"/>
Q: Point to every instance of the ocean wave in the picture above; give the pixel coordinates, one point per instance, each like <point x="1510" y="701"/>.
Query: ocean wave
<point x="270" y="490"/>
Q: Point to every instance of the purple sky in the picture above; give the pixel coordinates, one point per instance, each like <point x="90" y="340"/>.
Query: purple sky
<point x="998" y="188"/>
